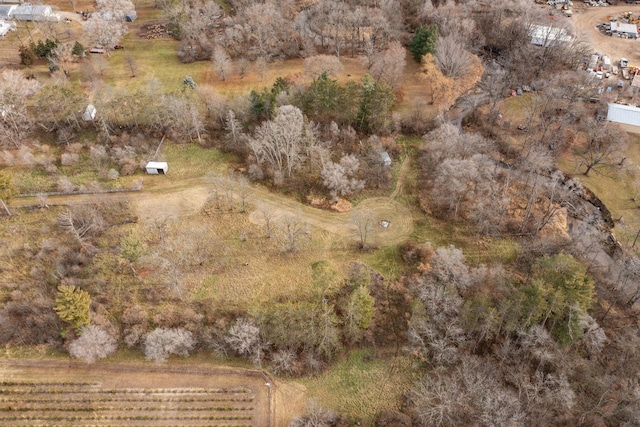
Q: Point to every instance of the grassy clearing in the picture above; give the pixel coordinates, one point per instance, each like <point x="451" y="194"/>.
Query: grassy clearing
<point x="617" y="187"/>
<point x="192" y="161"/>
<point x="362" y="385"/>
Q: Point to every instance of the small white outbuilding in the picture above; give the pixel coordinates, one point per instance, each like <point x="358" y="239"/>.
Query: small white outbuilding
<point x="89" y="113"/>
<point x="385" y="158"/>
<point x="157" y="168"/>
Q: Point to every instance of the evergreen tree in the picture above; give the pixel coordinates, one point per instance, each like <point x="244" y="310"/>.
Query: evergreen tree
<point x="376" y="102"/>
<point x="359" y="313"/>
<point x="72" y="306"/>
<point x="423" y="41"/>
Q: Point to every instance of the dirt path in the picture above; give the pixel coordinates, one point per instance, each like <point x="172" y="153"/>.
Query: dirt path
<point x="585" y="20"/>
<point x="166" y="199"/>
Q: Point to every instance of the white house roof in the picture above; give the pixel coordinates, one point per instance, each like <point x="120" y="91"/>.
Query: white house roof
<point x="544" y="36"/>
<point x="621" y="27"/>
<point x="625" y="114"/>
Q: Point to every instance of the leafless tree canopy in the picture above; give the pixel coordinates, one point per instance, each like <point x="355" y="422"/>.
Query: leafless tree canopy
<point x="451" y="57"/>
<point x="94" y="343"/>
<point x="282" y="143"/>
<point x="160" y="343"/>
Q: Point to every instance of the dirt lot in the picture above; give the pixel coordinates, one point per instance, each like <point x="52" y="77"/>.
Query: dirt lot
<point x="586" y="18"/>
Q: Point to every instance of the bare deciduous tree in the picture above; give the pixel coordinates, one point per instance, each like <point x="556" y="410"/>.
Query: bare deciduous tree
<point x="215" y="103"/>
<point x="470" y="392"/>
<point x="281" y="142"/>
<point x="221" y="62"/>
<point x="604" y="141"/>
<point x="292" y="231"/>
<point x="103" y="30"/>
<point x="244" y="339"/>
<point x="132" y="64"/>
<point x="261" y="66"/>
<point x="100" y="64"/>
<point x="94" y="343"/>
<point x="160" y="343"/>
<point x="235" y="136"/>
<point x="316" y="416"/>
<point x="451" y="57"/>
<point x="338" y="177"/>
<point x="365" y="223"/>
<point x="388" y="65"/>
<point x="318" y="64"/>
<point x="267" y="212"/>
<point x="15" y="122"/>
<point x="180" y="117"/>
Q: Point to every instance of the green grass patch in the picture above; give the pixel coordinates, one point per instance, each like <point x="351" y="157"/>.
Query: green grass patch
<point x="477" y="249"/>
<point x="362" y="385"/>
<point x="31" y="180"/>
<point x="192" y="161"/>
<point x="617" y="187"/>
<point x="387" y="261"/>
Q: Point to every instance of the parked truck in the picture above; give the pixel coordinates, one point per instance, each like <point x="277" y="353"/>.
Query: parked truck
<point x="606" y="63"/>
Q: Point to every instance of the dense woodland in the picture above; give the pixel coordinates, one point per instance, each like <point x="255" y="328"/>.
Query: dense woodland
<point x="545" y="335"/>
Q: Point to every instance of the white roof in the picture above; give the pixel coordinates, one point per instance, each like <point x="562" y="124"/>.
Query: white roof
<point x="544" y="35"/>
<point x="621" y="27"/>
<point x="32" y="10"/>
<point x="7" y="10"/>
<point x="157" y="165"/>
<point x="625" y="114"/>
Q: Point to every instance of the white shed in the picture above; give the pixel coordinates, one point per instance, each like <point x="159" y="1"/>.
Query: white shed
<point x="155" y="168"/>
<point x="625" y="114"/>
<point x="385" y="158"/>
<point x="89" y="113"/>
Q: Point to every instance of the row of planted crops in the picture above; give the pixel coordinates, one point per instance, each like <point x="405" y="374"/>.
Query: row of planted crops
<point x="87" y="403"/>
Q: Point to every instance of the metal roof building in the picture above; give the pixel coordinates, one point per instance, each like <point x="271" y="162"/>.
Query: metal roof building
<point x="541" y="35"/>
<point x="631" y="30"/>
<point x="34" y="13"/>
<point x="6" y="11"/>
<point x="625" y="114"/>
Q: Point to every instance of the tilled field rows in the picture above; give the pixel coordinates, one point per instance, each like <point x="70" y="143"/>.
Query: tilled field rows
<point x="87" y="403"/>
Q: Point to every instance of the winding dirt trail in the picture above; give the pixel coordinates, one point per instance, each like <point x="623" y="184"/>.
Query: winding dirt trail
<point x="162" y="198"/>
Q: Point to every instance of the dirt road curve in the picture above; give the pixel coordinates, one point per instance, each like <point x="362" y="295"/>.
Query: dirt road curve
<point x="586" y="18"/>
<point x="164" y="199"/>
